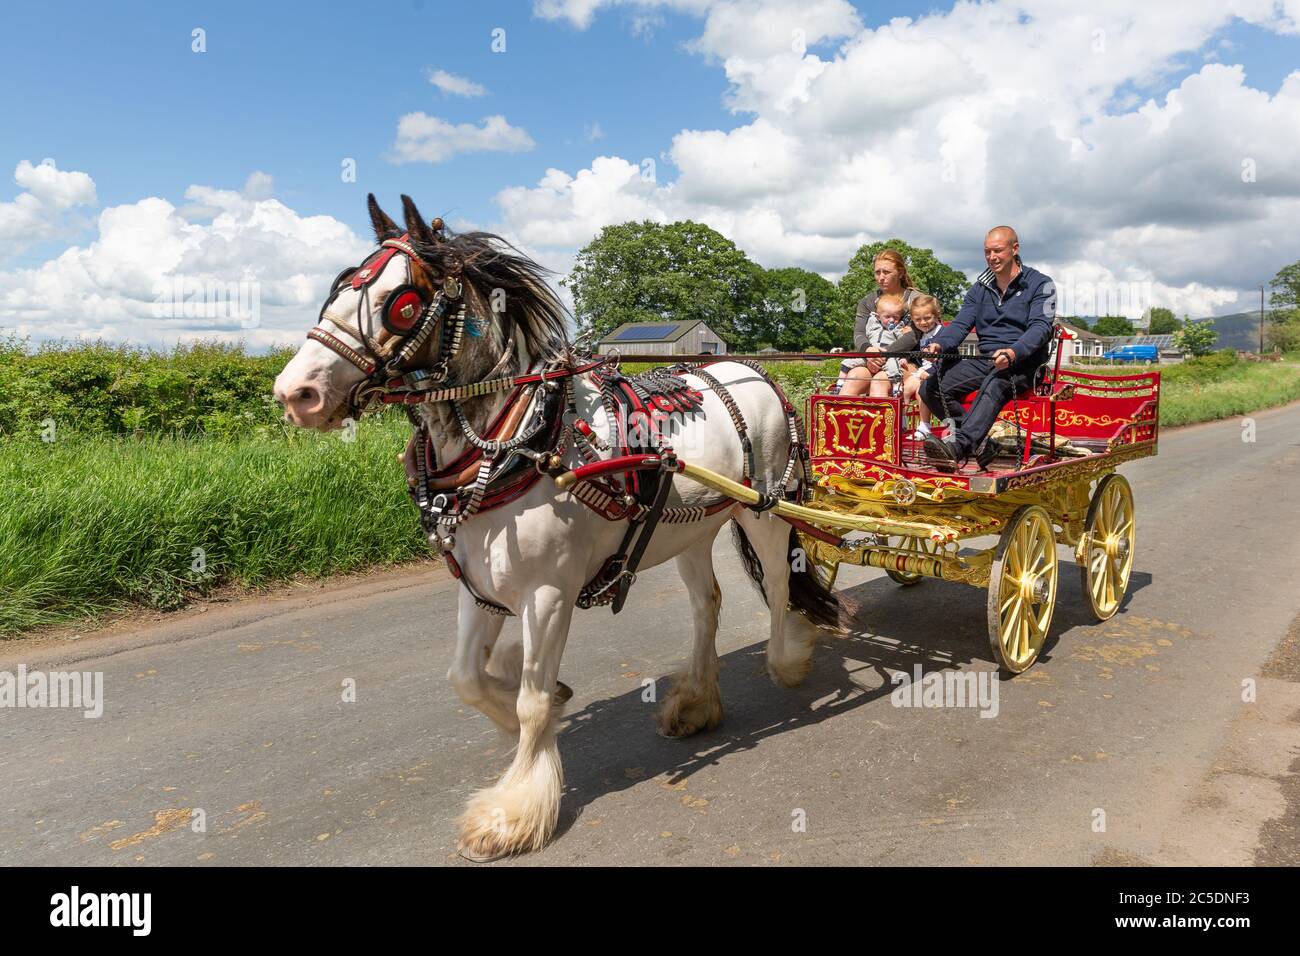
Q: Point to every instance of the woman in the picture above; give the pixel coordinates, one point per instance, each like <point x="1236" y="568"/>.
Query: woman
<point x="891" y="279"/>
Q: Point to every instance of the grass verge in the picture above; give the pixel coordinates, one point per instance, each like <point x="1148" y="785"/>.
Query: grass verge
<point x="93" y="524"/>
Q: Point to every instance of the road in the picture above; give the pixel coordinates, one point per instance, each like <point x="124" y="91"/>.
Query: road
<point x="1129" y="742"/>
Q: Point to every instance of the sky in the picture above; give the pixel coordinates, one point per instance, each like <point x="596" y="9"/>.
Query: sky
<point x="199" y="170"/>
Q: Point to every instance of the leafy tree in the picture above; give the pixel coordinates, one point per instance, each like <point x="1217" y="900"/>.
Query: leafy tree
<point x="929" y="273"/>
<point x="1284" y="336"/>
<point x="647" y="271"/>
<point x="1286" y="291"/>
<point x="796" y="310"/>
<point x="1196" y="338"/>
<point x="1077" y="321"/>
<point x="1162" y="321"/>
<point x="1109" y="325"/>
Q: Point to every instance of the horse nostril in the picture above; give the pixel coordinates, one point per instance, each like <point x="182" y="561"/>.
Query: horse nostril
<point x="308" y="398"/>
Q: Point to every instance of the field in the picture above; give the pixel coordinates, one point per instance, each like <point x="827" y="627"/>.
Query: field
<point x="130" y="478"/>
<point x="1218" y="386"/>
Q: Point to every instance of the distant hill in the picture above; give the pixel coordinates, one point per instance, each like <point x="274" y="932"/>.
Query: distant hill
<point x="1237" y="331"/>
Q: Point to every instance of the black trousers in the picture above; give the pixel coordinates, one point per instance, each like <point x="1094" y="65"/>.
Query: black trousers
<point x="964" y="376"/>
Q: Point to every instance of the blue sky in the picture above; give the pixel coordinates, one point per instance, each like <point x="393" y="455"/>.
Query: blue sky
<point x="115" y="91"/>
<point x="292" y="92"/>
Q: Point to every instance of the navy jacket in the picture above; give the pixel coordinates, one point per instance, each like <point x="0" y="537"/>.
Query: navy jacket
<point x="1022" y="320"/>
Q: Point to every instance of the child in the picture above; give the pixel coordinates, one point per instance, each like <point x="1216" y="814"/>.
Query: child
<point x="927" y="320"/>
<point x="884" y="326"/>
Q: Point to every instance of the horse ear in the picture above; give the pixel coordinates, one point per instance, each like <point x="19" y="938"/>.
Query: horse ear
<point x="383" y="226"/>
<point x="415" y="224"/>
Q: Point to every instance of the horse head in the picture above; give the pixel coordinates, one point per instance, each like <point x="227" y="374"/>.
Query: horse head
<point x="427" y="309"/>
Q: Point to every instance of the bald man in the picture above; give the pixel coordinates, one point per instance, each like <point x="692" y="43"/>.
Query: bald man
<point x="1012" y="309"/>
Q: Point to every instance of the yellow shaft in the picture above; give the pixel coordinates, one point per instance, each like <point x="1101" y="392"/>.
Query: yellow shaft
<point x="830" y="519"/>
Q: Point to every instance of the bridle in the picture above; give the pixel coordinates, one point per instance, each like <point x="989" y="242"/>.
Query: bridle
<point x="409" y="315"/>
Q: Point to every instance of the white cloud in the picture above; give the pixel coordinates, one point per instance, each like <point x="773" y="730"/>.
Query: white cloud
<point x="1040" y="113"/>
<point x="427" y="139"/>
<point x="206" y="202"/>
<point x="454" y="85"/>
<point x="41" y="211"/>
<point x="119" y="286"/>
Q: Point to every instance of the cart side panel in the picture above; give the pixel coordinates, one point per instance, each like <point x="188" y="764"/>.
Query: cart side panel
<point x="1118" y="409"/>
<point x="858" y="429"/>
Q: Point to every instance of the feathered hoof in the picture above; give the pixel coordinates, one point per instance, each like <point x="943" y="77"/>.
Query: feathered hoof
<point x="790" y="673"/>
<point x="494" y="832"/>
<point x="688" y="709"/>
<point x="517" y="815"/>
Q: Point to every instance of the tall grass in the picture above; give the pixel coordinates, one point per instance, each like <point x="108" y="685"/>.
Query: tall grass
<point x="92" y="524"/>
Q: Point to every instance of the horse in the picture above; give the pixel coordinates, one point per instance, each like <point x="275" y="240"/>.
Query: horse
<point x="437" y="321"/>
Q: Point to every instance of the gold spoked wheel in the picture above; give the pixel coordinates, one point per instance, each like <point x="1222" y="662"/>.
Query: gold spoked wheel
<point x="918" y="546"/>
<point x="1022" y="588"/>
<point x="1106" y="551"/>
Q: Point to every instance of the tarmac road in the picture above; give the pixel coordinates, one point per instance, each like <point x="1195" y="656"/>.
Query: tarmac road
<point x="1128" y="742"/>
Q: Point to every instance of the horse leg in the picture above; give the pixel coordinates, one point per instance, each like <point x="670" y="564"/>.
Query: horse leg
<point x="477" y="633"/>
<point x="519" y="812"/>
<point x="792" y="637"/>
<point x="695" y="701"/>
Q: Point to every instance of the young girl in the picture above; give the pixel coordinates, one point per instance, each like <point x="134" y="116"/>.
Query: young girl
<point x="927" y="320"/>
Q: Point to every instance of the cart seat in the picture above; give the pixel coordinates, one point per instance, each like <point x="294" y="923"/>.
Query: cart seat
<point x="1027" y="394"/>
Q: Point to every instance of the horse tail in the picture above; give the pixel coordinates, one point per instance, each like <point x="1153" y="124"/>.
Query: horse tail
<point x="818" y="603"/>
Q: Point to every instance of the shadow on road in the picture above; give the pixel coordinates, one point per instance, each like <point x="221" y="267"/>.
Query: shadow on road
<point x="611" y="744"/>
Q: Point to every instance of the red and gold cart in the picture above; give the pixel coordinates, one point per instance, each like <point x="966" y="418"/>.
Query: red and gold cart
<point x="1060" y="486"/>
<point x="878" y="501"/>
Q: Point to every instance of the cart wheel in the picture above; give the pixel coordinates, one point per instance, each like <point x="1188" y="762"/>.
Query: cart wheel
<point x="1022" y="588"/>
<point x="920" y="546"/>
<point x="1109" y="537"/>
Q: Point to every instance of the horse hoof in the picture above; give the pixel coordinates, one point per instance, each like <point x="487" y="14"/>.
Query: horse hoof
<point x="562" y="692"/>
<point x="467" y="854"/>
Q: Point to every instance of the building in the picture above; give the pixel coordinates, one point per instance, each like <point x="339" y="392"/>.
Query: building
<point x="688" y="337"/>
<point x="1080" y="343"/>
<point x="1075" y="344"/>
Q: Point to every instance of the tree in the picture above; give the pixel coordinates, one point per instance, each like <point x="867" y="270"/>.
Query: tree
<point x="796" y="310"/>
<point x="1077" y="321"/>
<point x="648" y="271"/>
<point x="1286" y="289"/>
<point x="1111" y="325"/>
<point x="1196" y="338"/>
<point x="930" y="275"/>
<point x="1284" y="336"/>
<point x="1161" y="321"/>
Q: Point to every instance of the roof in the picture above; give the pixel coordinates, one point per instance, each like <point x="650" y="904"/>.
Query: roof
<point x="1078" y="332"/>
<point x="649" y="331"/>
<point x="1159" y="341"/>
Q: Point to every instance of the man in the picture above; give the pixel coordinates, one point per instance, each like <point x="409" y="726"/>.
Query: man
<point x="1012" y="309"/>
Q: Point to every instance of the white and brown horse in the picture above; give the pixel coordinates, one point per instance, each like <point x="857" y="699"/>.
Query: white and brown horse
<point x="532" y="554"/>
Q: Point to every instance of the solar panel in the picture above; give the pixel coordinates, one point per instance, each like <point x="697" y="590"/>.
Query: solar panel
<point x="642" y="333"/>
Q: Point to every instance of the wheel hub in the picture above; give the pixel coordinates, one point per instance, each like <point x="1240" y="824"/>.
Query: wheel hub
<point x="1116" y="546"/>
<point x="1033" y="589"/>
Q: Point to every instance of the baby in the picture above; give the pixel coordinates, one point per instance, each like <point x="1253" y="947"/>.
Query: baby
<point x="927" y="320"/>
<point x="884" y="326"/>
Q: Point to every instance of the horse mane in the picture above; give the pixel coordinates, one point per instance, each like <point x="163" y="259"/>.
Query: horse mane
<point x="486" y="263"/>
